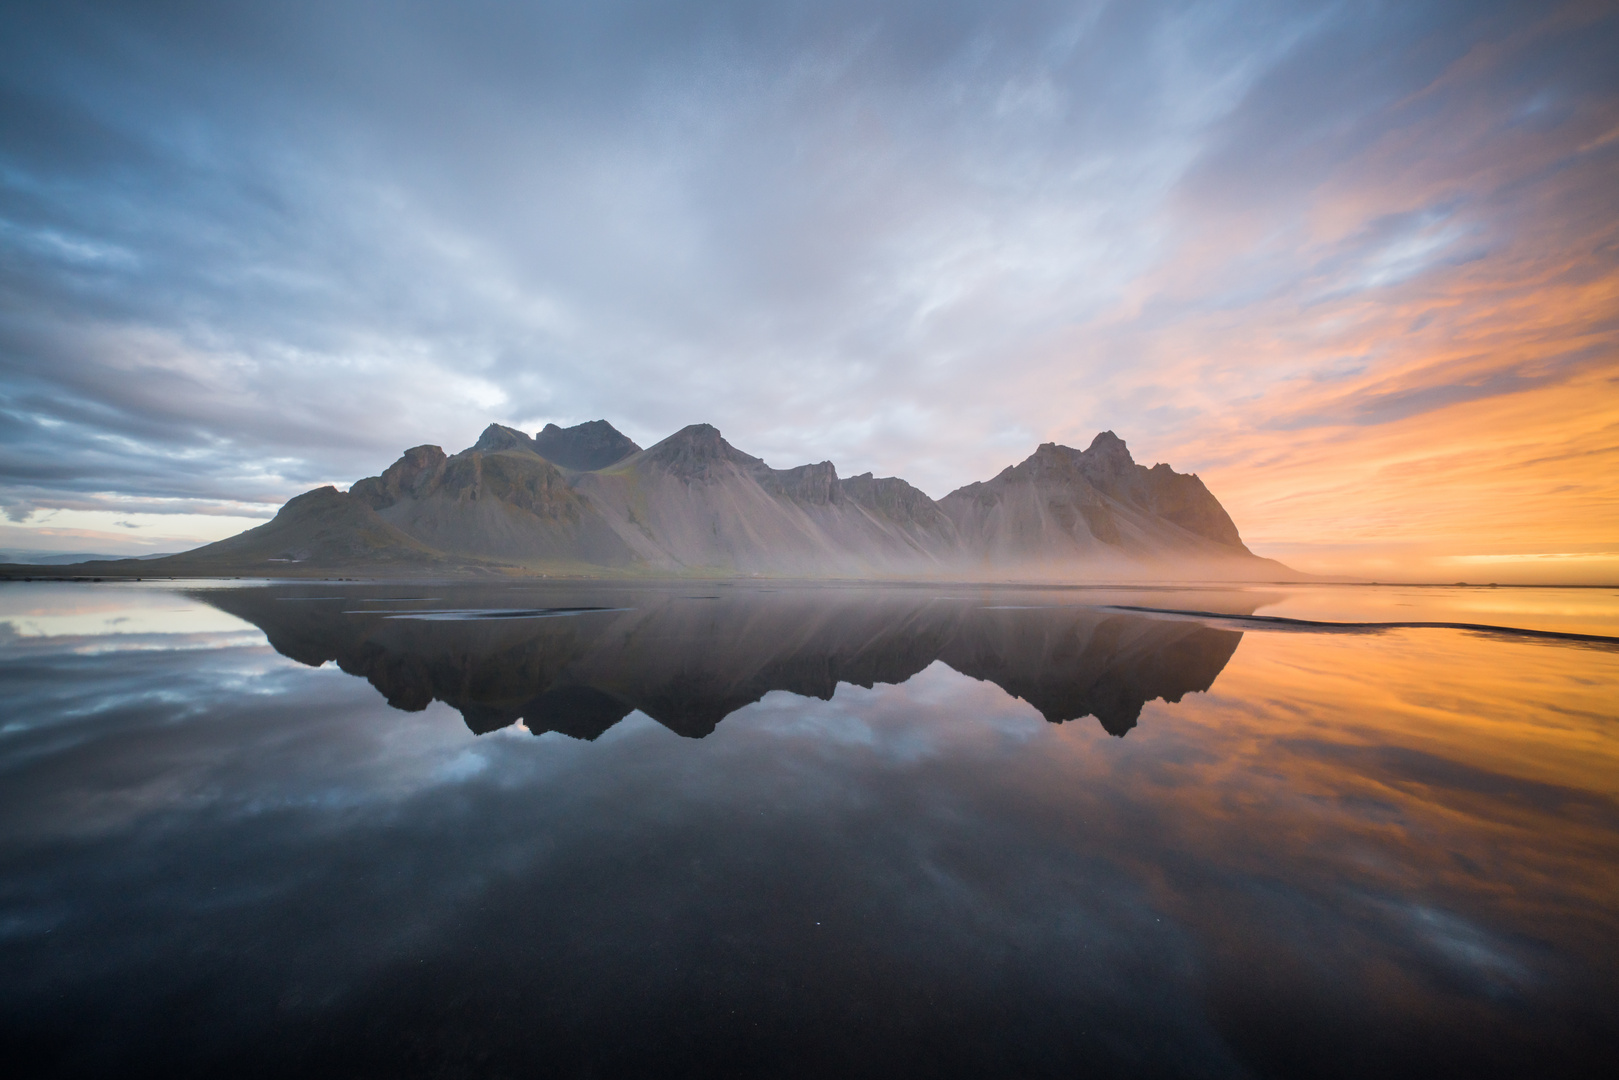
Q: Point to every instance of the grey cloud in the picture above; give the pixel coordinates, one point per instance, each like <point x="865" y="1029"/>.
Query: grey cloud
<point x="247" y="249"/>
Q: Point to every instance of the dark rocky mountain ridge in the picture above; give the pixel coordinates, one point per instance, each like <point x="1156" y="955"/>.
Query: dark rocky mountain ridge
<point x="587" y="500"/>
<point x="594" y="444"/>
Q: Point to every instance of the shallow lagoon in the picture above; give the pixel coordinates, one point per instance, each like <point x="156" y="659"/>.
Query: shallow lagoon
<point x="760" y="830"/>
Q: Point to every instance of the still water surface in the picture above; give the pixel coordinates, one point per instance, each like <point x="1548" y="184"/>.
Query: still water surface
<point x="729" y="829"/>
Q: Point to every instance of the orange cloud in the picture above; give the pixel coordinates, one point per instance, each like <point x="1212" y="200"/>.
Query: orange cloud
<point x="1431" y="379"/>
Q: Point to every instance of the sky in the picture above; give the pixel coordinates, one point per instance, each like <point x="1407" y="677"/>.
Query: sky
<point x="1354" y="264"/>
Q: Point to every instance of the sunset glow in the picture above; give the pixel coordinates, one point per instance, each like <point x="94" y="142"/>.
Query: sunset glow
<point x="1357" y="267"/>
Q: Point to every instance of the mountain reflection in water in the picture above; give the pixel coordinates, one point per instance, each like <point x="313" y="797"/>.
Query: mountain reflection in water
<point x="1337" y="854"/>
<point x="689" y="661"/>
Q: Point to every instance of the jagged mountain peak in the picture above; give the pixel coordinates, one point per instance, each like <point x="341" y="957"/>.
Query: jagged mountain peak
<point x="697" y="450"/>
<point x="1107" y="444"/>
<point x="817" y="483"/>
<point x="497" y="437"/>
<point x="417" y="470"/>
<point x="1107" y="459"/>
<point x="697" y="435"/>
<point x="594" y="444"/>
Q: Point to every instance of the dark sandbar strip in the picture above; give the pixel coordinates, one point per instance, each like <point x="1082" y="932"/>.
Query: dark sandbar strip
<point x="1373" y="627"/>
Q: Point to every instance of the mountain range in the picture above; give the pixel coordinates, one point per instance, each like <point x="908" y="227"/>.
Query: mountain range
<point x="587" y="501"/>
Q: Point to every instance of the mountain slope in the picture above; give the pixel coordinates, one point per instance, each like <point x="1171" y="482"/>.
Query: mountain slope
<point x="695" y="501"/>
<point x="324" y="527"/>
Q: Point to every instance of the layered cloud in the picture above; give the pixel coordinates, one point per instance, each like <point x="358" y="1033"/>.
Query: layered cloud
<point x="1354" y="264"/>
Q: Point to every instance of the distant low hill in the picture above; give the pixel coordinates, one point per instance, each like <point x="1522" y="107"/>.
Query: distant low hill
<point x="33" y="557"/>
<point x="587" y="500"/>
